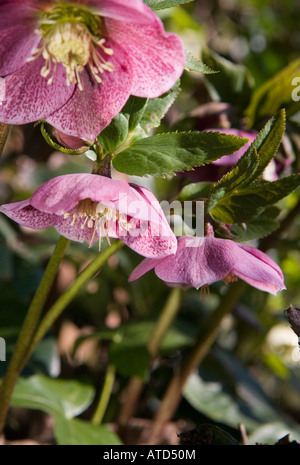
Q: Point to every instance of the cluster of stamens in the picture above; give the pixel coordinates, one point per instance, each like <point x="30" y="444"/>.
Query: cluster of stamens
<point x="71" y="42"/>
<point x="98" y="218"/>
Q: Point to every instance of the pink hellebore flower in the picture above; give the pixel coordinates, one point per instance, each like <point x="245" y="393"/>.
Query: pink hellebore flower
<point x="76" y="63"/>
<point x="200" y="261"/>
<point x="87" y="207"/>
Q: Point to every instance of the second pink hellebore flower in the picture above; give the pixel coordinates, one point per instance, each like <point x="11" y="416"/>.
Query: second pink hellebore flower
<point x="201" y="261"/>
<point x="75" y="63"/>
<point x="87" y="207"/>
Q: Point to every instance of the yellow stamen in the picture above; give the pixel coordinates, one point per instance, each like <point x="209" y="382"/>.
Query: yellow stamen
<point x="71" y="36"/>
<point x="96" y="217"/>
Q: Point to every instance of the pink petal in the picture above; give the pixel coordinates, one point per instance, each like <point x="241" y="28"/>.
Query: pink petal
<point x="28" y="97"/>
<point x="157" y="58"/>
<point x="148" y="241"/>
<point x="74" y="232"/>
<point x="142" y="204"/>
<point x="17" y="38"/>
<point x="89" y="111"/>
<point x="16" y="13"/>
<point x="201" y="261"/>
<point x="262" y="257"/>
<point x="198" y="264"/>
<point x="69" y="142"/>
<point x="62" y="193"/>
<point x="146" y="265"/>
<point x="131" y="10"/>
<point x="26" y="215"/>
<point x="259" y="270"/>
<point x="16" y="45"/>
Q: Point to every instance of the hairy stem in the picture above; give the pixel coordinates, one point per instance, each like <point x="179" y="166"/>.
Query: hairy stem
<point x="28" y="328"/>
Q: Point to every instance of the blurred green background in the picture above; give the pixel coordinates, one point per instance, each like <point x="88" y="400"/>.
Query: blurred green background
<point x="252" y="372"/>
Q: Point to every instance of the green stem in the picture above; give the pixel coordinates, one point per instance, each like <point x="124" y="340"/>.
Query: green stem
<point x="173" y="393"/>
<point x="23" y="351"/>
<point x="135" y="385"/>
<point x="165" y="320"/>
<point x="28" y="328"/>
<point x="63" y="301"/>
<point x="105" y="395"/>
<point x="4" y="130"/>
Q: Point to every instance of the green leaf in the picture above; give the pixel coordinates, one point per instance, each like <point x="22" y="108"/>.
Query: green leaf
<point x="260" y="226"/>
<point x="64" y="400"/>
<point x="161" y="4"/>
<point x="69" y="432"/>
<point x="270" y="432"/>
<point x="193" y="191"/>
<point x="232" y="83"/>
<point x="156" y="108"/>
<point x="46" y="357"/>
<point x="242" y="174"/>
<point x="134" y="110"/>
<point x="130" y="358"/>
<point x="53" y="396"/>
<point x="210" y="399"/>
<point x="164" y="154"/>
<point x="193" y="64"/>
<point x="115" y="133"/>
<point x="252" y="201"/>
<point x="275" y="92"/>
<point x="268" y="141"/>
<point x="252" y="164"/>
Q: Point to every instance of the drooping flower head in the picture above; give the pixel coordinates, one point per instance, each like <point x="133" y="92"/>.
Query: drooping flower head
<point x="88" y="207"/>
<point x="201" y="261"/>
<point x="75" y="63"/>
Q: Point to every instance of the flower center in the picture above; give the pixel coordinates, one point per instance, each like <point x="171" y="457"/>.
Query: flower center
<point x="71" y="36"/>
<point x="97" y="217"/>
